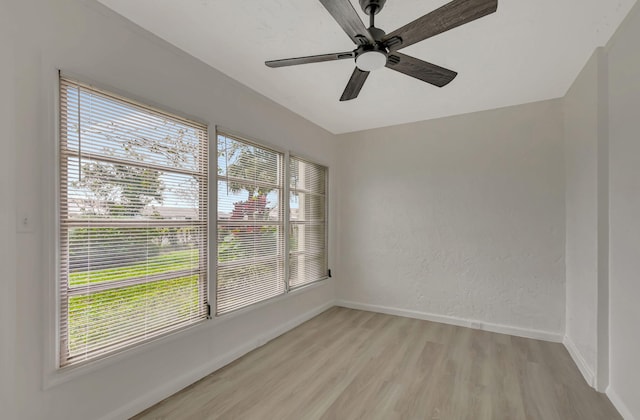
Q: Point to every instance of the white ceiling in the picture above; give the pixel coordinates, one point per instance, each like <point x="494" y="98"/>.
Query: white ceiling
<point x="527" y="51"/>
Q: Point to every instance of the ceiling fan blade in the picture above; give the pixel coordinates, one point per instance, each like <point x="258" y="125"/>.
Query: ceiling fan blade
<point x="427" y="72"/>
<point x="355" y="84"/>
<point x="449" y="16"/>
<point x="347" y="17"/>
<point x="310" y="59"/>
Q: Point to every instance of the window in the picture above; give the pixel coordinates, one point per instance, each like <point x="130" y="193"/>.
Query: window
<point x="133" y="223"/>
<point x="307" y="217"/>
<point x="256" y="259"/>
<point x="250" y="224"/>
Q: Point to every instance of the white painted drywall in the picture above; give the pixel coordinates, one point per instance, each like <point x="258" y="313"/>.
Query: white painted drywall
<point x="7" y="219"/>
<point x="580" y="107"/>
<point x="87" y="39"/>
<point x="460" y="217"/>
<point x="624" y="137"/>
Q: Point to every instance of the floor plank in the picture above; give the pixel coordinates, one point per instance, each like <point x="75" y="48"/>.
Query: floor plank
<point x="350" y="364"/>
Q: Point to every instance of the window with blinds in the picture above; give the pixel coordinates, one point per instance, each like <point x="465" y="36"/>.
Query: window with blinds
<point x="133" y="223"/>
<point x="256" y="260"/>
<point x="307" y="218"/>
<point x="250" y="225"/>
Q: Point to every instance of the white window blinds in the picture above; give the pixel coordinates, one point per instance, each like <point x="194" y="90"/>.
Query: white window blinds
<point x="250" y="225"/>
<point x="133" y="223"/>
<point x="307" y="218"/>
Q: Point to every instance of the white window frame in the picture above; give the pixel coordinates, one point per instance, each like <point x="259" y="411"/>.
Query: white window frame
<point x="282" y="198"/>
<point x="58" y="373"/>
<point x="220" y="131"/>
<point x="326" y="222"/>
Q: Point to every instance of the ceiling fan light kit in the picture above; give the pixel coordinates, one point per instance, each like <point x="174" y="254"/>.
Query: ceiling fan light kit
<point x="371" y="60"/>
<point x="376" y="49"/>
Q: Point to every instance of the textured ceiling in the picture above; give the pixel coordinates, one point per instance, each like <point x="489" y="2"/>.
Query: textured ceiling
<point x="527" y="51"/>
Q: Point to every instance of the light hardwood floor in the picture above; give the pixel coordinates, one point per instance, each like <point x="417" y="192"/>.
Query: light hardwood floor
<point x="349" y="364"/>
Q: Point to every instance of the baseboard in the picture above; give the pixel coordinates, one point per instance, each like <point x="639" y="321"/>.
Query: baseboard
<point x="619" y="405"/>
<point x="579" y="361"/>
<point x="461" y="322"/>
<point x="165" y="390"/>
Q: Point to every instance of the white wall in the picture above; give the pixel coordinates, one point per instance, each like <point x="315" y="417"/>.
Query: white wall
<point x="624" y="134"/>
<point x="602" y="122"/>
<point x="461" y="217"/>
<point x="580" y="107"/>
<point x="84" y="38"/>
<point x="7" y="219"/>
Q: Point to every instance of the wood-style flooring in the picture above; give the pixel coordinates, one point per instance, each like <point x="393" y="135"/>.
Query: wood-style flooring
<point x="349" y="364"/>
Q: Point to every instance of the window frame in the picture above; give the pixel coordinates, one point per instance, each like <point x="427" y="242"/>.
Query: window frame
<point x="325" y="222"/>
<point x="285" y="245"/>
<point x="63" y="371"/>
<point x="287" y="155"/>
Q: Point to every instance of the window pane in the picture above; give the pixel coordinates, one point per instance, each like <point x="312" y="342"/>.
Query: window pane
<point x="306" y="176"/>
<point x="100" y="126"/>
<point x="307" y="218"/>
<point x="100" y="321"/>
<point x="98" y="189"/>
<point x="250" y="221"/>
<point x="247" y="205"/>
<point x="99" y="254"/>
<point x="243" y="161"/>
<point x="305" y="267"/>
<point x="133" y="223"/>
<point x="307" y="238"/>
<point x="242" y="242"/>
<point x="245" y="284"/>
<point x="306" y="207"/>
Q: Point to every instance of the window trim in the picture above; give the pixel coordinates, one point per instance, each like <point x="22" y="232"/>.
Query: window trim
<point x="61" y="373"/>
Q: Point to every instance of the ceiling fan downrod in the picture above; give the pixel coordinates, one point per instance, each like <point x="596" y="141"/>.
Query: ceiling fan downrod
<point x="372" y="8"/>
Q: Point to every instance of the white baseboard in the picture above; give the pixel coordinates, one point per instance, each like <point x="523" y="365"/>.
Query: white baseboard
<point x="461" y="322"/>
<point x="619" y="405"/>
<point x="167" y="389"/>
<point x="578" y="359"/>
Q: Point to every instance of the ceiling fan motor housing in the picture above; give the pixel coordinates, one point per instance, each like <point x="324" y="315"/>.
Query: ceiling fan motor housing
<point x="372" y="6"/>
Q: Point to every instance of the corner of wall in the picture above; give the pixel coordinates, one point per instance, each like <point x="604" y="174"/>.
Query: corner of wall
<point x="589" y="118"/>
<point x="602" y="369"/>
<point x="619" y="405"/>
<point x="578" y="359"/>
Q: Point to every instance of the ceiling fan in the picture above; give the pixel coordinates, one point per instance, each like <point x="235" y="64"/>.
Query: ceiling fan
<point x="376" y="49"/>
